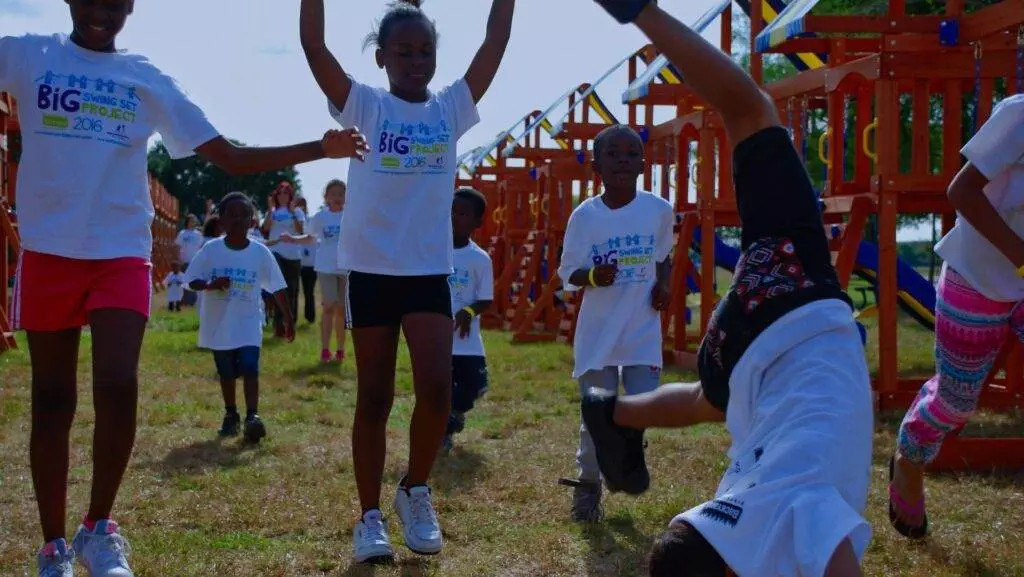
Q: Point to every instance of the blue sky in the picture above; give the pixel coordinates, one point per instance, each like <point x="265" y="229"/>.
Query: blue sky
<point x="241" y="61"/>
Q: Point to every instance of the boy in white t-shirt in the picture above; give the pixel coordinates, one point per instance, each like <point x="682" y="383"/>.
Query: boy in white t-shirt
<point x="175" y="283"/>
<point x="324" y="229"/>
<point x="232" y="271"/>
<point x="189" y="241"/>
<point x="782" y="362"/>
<point x="396" y="241"/>
<point x="617" y="245"/>
<point x="87" y="113"/>
<point x="978" y="310"/>
<point x="472" y="286"/>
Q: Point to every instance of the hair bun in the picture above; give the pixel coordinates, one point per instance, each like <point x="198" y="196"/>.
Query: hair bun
<point x="414" y="3"/>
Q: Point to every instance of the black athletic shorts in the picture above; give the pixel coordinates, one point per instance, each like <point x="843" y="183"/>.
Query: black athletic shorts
<point x="785" y="261"/>
<point x="376" y="300"/>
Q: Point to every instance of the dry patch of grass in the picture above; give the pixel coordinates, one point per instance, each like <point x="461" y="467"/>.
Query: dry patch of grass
<point x="194" y="505"/>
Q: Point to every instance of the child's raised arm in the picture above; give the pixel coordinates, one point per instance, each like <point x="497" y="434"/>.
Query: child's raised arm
<point x="488" y="58"/>
<point x="328" y="73"/>
<point x="238" y="160"/>
<point x="711" y="73"/>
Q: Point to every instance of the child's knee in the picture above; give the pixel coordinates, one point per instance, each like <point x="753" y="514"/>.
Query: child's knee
<point x="682" y="551"/>
<point x="249" y="362"/>
<point x="54" y="406"/>
<point x="374" y="403"/>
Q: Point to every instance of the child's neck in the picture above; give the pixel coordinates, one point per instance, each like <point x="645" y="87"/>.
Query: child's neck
<point x="461" y="242"/>
<point x="614" y="199"/>
<point x="237" y="241"/>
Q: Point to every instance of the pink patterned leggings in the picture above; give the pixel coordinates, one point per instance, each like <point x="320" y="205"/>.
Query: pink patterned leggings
<point x="970" y="330"/>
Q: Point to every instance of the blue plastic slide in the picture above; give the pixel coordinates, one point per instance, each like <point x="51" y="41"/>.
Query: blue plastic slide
<point x="916" y="294"/>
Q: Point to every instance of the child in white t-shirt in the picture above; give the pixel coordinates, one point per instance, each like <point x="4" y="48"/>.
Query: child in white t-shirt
<point x="189" y="240"/>
<point x="307" y="275"/>
<point x="285" y="217"/>
<point x="232" y="271"/>
<point x="782" y="362"/>
<point x="87" y="113"/>
<point x="175" y="284"/>
<point x="617" y="246"/>
<point x="324" y="229"/>
<point x="472" y="286"/>
<point x="396" y="241"/>
<point x="978" y="309"/>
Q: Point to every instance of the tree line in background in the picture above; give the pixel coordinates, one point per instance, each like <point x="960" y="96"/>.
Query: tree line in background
<point x="193" y="180"/>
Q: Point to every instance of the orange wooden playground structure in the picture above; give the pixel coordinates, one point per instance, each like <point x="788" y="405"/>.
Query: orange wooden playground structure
<point x="873" y="97"/>
<point x="165" y="222"/>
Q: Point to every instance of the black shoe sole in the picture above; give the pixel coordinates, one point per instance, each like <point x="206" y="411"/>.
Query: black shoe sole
<point x="620" y="451"/>
<point x="379" y="560"/>
<point x="253" y="434"/>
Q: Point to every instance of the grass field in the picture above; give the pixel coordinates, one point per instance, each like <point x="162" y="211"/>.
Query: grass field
<point x="193" y="505"/>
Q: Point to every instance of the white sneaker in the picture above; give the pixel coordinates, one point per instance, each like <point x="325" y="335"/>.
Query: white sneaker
<point x="419" y="521"/>
<point x="370" y="543"/>
<point x="103" y="551"/>
<point x="56" y="559"/>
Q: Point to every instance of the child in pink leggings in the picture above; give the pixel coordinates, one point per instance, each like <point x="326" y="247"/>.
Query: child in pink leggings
<point x="978" y="310"/>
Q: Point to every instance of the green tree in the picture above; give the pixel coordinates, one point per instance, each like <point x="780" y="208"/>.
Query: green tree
<point x="193" y="180"/>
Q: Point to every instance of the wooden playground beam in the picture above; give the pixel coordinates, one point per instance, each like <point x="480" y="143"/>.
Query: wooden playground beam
<point x="872" y="24"/>
<point x="991" y="20"/>
<point x="824" y="45"/>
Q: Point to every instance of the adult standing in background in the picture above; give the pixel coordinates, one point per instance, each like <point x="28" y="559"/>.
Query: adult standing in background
<point x="308" y="273"/>
<point x="283" y="216"/>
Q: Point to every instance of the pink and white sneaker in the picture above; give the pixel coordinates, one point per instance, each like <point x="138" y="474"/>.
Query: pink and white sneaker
<point x="339" y="356"/>
<point x="325" y="356"/>
<point x="56" y="559"/>
<point x="103" y="551"/>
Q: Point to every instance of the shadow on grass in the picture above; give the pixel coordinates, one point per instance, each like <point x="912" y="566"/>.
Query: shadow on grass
<point x="416" y="567"/>
<point x="616" y="545"/>
<point x="317" y="370"/>
<point x="202" y="456"/>
<point x="461" y="469"/>
<point x="969" y="567"/>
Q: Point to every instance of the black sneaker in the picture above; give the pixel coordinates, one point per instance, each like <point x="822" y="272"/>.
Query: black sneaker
<point x="231" y="425"/>
<point x="586" y="502"/>
<point x="620" y="450"/>
<point x="254" y="429"/>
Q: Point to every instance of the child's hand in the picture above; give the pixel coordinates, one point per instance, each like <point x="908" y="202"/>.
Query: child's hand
<point x="463" y="323"/>
<point x="286" y="238"/>
<point x="348" y="143"/>
<point x="219" y="283"/>
<point x="660" y="297"/>
<point x="604" y="274"/>
<point x="289" y="330"/>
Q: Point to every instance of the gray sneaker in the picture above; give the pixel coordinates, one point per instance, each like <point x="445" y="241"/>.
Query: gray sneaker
<point x="586" y="502"/>
<point x="56" y="559"/>
<point x="103" y="551"/>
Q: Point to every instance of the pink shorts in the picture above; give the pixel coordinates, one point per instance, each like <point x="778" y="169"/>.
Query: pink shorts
<point x="54" y="293"/>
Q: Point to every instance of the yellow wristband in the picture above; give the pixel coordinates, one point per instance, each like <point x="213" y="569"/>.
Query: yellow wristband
<point x="1020" y="272"/>
<point x="590" y="277"/>
<point x="472" y="313"/>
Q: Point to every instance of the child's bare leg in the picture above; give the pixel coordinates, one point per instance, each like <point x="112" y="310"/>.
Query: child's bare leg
<point x="670" y="406"/>
<point x="844" y="562"/>
<point x="54" y="399"/>
<point x="429" y="336"/>
<point x="711" y="73"/>
<point x="227" y="390"/>
<point x="376" y="353"/>
<point x="339" y="327"/>
<point x="251" y="389"/>
<point x="116" y="345"/>
<point x="327" y="326"/>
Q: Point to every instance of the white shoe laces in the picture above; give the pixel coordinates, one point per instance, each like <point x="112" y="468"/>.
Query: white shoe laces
<point x="373" y="530"/>
<point x="109" y="550"/>
<point x="422" y="509"/>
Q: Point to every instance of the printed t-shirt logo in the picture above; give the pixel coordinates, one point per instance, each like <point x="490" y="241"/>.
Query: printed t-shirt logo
<point x="632" y="253"/>
<point x="406" y="148"/>
<point x="243" y="283"/>
<point x="79" y="106"/>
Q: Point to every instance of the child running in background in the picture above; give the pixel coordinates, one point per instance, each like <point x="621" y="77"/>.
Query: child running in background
<point x="782" y="362"/>
<point x="307" y="275"/>
<point x="617" y="245"/>
<point x="978" y="310"/>
<point x="84" y="209"/>
<point x="231" y="271"/>
<point x="212" y="229"/>
<point x="472" y="286"/>
<point x="175" y="284"/>
<point x="189" y="240"/>
<point x="396" y="239"/>
<point x="283" y="216"/>
<point x="324" y="229"/>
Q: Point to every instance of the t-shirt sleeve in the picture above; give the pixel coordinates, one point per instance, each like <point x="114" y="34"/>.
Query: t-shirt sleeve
<point x="362" y="100"/>
<point x="316" y="226"/>
<point x="271" y="278"/>
<point x="999" y="144"/>
<point x="182" y="125"/>
<point x="197" y="269"/>
<point x="457" y="101"/>
<point x="12" y="62"/>
<point x="485" y="278"/>
<point x="665" y="241"/>
<point x="300" y="215"/>
<point x="574" y="250"/>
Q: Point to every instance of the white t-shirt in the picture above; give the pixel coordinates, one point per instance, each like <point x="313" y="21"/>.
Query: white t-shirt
<point x="283" y="220"/>
<point x="472" y="281"/>
<point x="309" y="253"/>
<point x="175" y="283"/>
<point x="397" y="218"/>
<point x="189" y="242"/>
<point x="617" y="325"/>
<point x="234" y="318"/>
<point x="997" y="150"/>
<point x="86" y="119"/>
<point x="801" y="420"/>
<point x="256" y="236"/>
<point x="326" y="226"/>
